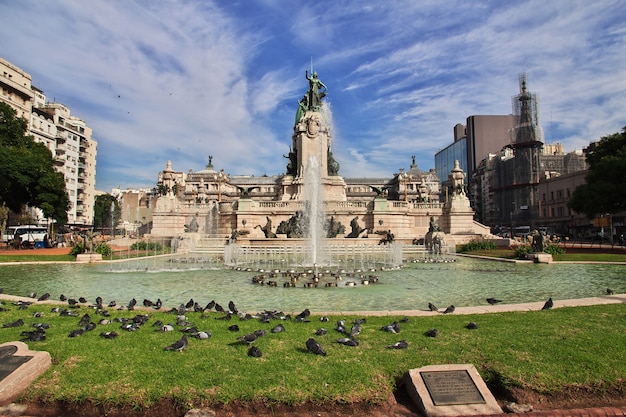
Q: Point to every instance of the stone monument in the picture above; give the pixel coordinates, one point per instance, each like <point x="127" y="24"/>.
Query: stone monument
<point x="450" y="390"/>
<point x="19" y="367"/>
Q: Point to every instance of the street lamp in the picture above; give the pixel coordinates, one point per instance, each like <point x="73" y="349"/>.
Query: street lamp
<point x="220" y="177"/>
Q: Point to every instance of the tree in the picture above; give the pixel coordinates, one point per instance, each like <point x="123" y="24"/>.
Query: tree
<point x="603" y="191"/>
<point x="27" y="174"/>
<point x="102" y="212"/>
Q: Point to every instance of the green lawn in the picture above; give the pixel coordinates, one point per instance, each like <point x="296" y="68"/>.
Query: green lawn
<point x="540" y="350"/>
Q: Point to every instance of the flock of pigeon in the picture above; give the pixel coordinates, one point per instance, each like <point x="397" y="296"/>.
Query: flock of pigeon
<point x="348" y="332"/>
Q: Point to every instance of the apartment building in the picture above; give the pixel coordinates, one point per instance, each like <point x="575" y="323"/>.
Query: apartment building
<point x="68" y="138"/>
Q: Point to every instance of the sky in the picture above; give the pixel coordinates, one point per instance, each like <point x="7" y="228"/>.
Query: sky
<point x="181" y="80"/>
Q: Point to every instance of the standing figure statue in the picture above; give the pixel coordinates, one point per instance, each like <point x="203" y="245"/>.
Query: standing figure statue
<point x="317" y="91"/>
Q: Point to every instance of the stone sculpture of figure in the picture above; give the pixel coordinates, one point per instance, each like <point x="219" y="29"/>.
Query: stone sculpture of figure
<point x="333" y="165"/>
<point x="192" y="227"/>
<point x="293" y="163"/>
<point x="317" y="91"/>
<point x="303" y="105"/>
<point x="356" y="229"/>
<point x="387" y="238"/>
<point x="432" y="226"/>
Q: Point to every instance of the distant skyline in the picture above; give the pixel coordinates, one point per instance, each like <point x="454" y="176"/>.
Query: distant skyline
<point x="181" y="80"/>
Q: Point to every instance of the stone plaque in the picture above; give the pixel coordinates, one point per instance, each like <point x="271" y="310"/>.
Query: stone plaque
<point x="9" y="362"/>
<point x="452" y="388"/>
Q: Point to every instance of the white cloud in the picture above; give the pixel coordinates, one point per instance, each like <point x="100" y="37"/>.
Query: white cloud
<point x="182" y="80"/>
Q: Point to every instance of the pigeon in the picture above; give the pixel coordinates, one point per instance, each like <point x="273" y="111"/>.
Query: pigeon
<point x="279" y="328"/>
<point x="493" y="301"/>
<point x="249" y="338"/>
<point x="76" y="333"/>
<point x="109" y="335"/>
<point x="609" y="291"/>
<point x="158" y="304"/>
<point x="190" y="303"/>
<point x="320" y="332"/>
<point x="84" y="320"/>
<point x="131" y="304"/>
<point x="341" y="327"/>
<point x="255" y="352"/>
<point x="62" y="298"/>
<point x="147" y="303"/>
<point x="166" y="328"/>
<point x="304" y="315"/>
<point x="44" y="297"/>
<point x="99" y="302"/>
<point x="355" y="330"/>
<point x="348" y="341"/>
<point x="233" y="328"/>
<point x="178" y="345"/>
<point x="112" y="303"/>
<point x="201" y="335"/>
<point x="16" y="323"/>
<point x="32" y="295"/>
<point x="219" y="308"/>
<point x="402" y="344"/>
<point x="82" y="300"/>
<point x="432" y="333"/>
<point x="210" y="306"/>
<point x="314" y="347"/>
<point x="232" y="307"/>
<point x="449" y="310"/>
<point x="432" y="307"/>
<point x="34" y="335"/>
<point x="324" y="319"/>
<point x="471" y="325"/>
<point x="548" y="304"/>
<point x="391" y="328"/>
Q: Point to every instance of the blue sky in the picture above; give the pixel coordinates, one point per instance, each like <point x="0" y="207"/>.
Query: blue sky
<point x="181" y="80"/>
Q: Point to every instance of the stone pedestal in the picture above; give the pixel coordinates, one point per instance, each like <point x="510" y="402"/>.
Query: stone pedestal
<point x="88" y="257"/>
<point x="540" y="257"/>
<point x="450" y="390"/>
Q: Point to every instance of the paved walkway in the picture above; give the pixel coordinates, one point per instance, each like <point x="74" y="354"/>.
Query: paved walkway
<point x="577" y="412"/>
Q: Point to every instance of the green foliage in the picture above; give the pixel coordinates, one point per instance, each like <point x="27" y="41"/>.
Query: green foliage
<point x="522" y="251"/>
<point x="511" y="349"/>
<point x="143" y="245"/>
<point x="603" y="191"/>
<point x="103" y="249"/>
<point x="27" y="174"/>
<point x="554" y="250"/>
<point x="78" y="249"/>
<point x="477" y="244"/>
<point x="102" y="216"/>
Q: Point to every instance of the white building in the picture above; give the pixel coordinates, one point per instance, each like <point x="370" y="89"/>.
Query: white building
<point x="68" y="138"/>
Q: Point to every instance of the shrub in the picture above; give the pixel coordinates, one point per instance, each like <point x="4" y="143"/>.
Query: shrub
<point x="146" y="246"/>
<point x="103" y="249"/>
<point x="78" y="249"/>
<point x="522" y="251"/>
<point x="476" y="244"/>
<point x="554" y="250"/>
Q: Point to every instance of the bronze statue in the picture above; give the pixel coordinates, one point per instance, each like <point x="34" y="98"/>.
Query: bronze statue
<point x="245" y="191"/>
<point x="317" y="91"/>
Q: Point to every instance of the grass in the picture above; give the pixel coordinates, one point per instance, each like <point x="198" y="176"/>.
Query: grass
<point x="540" y="350"/>
<point x="594" y="256"/>
<point x="33" y="257"/>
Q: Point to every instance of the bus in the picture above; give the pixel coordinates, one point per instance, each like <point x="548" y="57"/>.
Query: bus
<point x="29" y="234"/>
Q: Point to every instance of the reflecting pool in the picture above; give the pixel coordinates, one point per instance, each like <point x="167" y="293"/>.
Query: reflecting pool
<point x="465" y="282"/>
